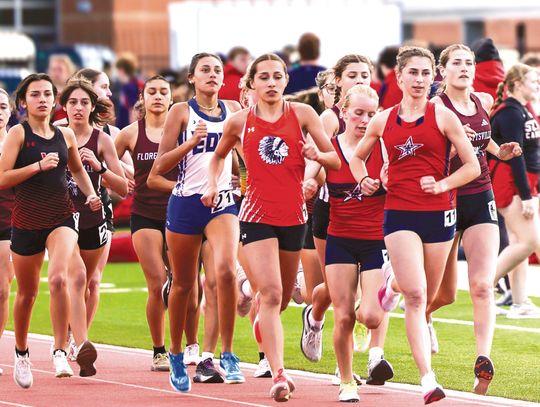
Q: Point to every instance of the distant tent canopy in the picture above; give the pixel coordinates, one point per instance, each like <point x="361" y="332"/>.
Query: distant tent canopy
<point x="16" y="47"/>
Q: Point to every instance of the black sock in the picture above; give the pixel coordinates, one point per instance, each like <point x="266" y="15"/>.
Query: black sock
<point x="61" y="350"/>
<point x="261" y="356"/>
<point x="21" y="352"/>
<point x="159" y="349"/>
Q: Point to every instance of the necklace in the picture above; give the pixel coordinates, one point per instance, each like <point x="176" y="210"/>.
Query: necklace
<point x="209" y="109"/>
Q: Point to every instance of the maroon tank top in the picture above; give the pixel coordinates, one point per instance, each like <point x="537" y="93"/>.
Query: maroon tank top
<point x="148" y="202"/>
<point x="42" y="201"/>
<point x="479" y="122"/>
<point x="7" y="202"/>
<point x="88" y="218"/>
<point x="341" y="122"/>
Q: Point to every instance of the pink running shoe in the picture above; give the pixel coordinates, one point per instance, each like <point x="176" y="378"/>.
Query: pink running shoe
<point x="387" y="297"/>
<point x="280" y="390"/>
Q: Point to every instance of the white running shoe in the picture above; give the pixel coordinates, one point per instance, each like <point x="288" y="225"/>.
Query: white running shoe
<point x="243" y="304"/>
<point x="387" y="297"/>
<point x="433" y="338"/>
<point x="379" y="371"/>
<point x="71" y="349"/>
<point x="263" y="369"/>
<point x="526" y="310"/>
<point x="1" y="371"/>
<point x="431" y="390"/>
<point x="22" y="374"/>
<point x="61" y="364"/>
<point x="500" y="312"/>
<point x="348" y="392"/>
<point x="191" y="355"/>
<point x="311" y="341"/>
<point x="160" y="363"/>
<point x="336" y="379"/>
<point x="297" y="289"/>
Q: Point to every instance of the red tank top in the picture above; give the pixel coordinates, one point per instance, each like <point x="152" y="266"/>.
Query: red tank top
<point x="415" y="150"/>
<point x="88" y="218"/>
<point x="275" y="170"/>
<point x="479" y="122"/>
<point x="353" y="215"/>
<point x="148" y="202"/>
<point x="42" y="201"/>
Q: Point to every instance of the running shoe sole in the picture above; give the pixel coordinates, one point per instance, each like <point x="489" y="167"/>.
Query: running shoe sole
<point x="484" y="371"/>
<point x="380" y="374"/>
<point x="85" y="359"/>
<point x="280" y="392"/>
<point x="434" y="395"/>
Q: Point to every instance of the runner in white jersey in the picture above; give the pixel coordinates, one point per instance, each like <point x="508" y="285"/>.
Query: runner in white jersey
<point x="190" y="137"/>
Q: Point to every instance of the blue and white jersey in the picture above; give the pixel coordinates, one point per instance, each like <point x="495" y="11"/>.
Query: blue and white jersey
<point x="193" y="175"/>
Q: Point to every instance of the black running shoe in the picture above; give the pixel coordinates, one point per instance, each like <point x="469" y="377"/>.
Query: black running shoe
<point x="166" y="289"/>
<point x="379" y="371"/>
<point x="484" y="371"/>
<point x="207" y="373"/>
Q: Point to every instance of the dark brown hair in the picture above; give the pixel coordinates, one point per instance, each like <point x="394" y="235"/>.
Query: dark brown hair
<point x="252" y="69"/>
<point x="309" y="47"/>
<point x="197" y="57"/>
<point x="20" y="92"/>
<point x="342" y="64"/>
<point x="96" y="116"/>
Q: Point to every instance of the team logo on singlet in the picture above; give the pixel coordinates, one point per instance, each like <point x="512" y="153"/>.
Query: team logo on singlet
<point x="72" y="186"/>
<point x="408" y="149"/>
<point x="273" y="150"/>
<point x="353" y="194"/>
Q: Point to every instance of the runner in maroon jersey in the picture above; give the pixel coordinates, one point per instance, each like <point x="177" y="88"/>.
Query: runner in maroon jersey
<point x="355" y="250"/>
<point x="476" y="211"/>
<point x="348" y="71"/>
<point x="149" y="207"/>
<point x="98" y="155"/>
<point x="6" y="208"/>
<point x="419" y="222"/>
<point x="273" y="211"/>
<point x="34" y="161"/>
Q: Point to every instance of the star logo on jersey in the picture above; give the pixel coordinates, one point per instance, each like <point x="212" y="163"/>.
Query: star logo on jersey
<point x="408" y="149"/>
<point x="353" y="194"/>
<point x="484" y="122"/>
<point x="273" y="150"/>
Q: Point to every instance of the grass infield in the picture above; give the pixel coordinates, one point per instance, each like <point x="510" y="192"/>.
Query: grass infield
<point x="121" y="320"/>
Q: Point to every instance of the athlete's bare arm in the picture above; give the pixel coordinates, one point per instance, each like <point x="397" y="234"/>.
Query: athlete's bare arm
<point x="357" y="163"/>
<point x="310" y="122"/>
<point x="9" y="176"/>
<point x="114" y="176"/>
<point x="330" y="122"/>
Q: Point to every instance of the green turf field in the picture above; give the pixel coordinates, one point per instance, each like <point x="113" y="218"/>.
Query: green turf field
<point x="121" y="321"/>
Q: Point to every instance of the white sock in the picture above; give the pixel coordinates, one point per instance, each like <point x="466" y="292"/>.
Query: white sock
<point x="246" y="289"/>
<point x="428" y="381"/>
<point x="314" y="324"/>
<point x="206" y="355"/>
<point x="375" y="353"/>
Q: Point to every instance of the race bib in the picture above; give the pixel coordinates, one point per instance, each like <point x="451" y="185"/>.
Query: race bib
<point x="225" y="199"/>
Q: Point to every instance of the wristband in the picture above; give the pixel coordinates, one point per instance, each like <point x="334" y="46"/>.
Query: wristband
<point x="362" y="180"/>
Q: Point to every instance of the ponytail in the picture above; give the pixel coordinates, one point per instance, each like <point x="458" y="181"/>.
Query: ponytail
<point x="499" y="94"/>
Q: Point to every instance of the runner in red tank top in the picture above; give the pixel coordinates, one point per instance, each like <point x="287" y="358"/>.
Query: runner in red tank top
<point x="6" y="208"/>
<point x="142" y="139"/>
<point x="37" y="154"/>
<point x="355" y="243"/>
<point x="98" y="155"/>
<point x="419" y="220"/>
<point x="476" y="211"/>
<point x="268" y="153"/>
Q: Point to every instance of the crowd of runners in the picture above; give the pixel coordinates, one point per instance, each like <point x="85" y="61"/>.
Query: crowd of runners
<point x="327" y="196"/>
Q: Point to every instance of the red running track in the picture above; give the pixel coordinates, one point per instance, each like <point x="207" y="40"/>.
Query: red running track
<point x="124" y="379"/>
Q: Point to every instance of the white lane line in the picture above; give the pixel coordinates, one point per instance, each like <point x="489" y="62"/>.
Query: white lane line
<point x="7" y="403"/>
<point x="455" y="395"/>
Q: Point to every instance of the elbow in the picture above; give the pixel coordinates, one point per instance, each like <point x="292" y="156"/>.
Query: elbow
<point x="333" y="163"/>
<point x="151" y="182"/>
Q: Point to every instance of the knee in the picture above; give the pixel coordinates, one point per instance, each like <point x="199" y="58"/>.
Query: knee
<point x="415" y="298"/>
<point x="371" y="319"/>
<point x="78" y="280"/>
<point x="26" y="297"/>
<point x="272" y="296"/>
<point x="481" y="290"/>
<point x="344" y="321"/>
<point x="446" y="297"/>
<point x="93" y="286"/>
<point x="4" y="292"/>
<point x="226" y="275"/>
<point x="57" y="283"/>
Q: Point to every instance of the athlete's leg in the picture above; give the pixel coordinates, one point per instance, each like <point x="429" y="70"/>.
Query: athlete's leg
<point x="6" y="277"/>
<point x="148" y="244"/>
<point x="223" y="235"/>
<point x="92" y="298"/>
<point x="184" y="257"/>
<point x="342" y="280"/>
<point x="211" y="322"/>
<point x="312" y="272"/>
<point x="447" y="292"/>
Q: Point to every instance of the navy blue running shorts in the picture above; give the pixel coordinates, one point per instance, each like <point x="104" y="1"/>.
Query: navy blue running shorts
<point x="476" y="209"/>
<point x="290" y="238"/>
<point x="431" y="226"/>
<point x="370" y="254"/>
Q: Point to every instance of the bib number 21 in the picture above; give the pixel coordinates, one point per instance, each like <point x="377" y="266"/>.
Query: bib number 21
<point x="225" y="199"/>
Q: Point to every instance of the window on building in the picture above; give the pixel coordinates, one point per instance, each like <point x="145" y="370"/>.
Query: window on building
<point x="406" y="31"/>
<point x="39" y="17"/>
<point x="7" y="18"/>
<point x="474" y="30"/>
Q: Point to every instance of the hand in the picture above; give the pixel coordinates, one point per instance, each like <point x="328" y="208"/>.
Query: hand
<point x="369" y="186"/>
<point x="93" y="202"/>
<point x="131" y="186"/>
<point x="88" y="157"/>
<point x="210" y="197"/>
<point x="310" y="151"/>
<point x="235" y="181"/>
<point x="528" y="207"/>
<point x="384" y="174"/>
<point x="49" y="162"/>
<point x="430" y="186"/>
<point x="471" y="134"/>
<point x="507" y="151"/>
<point x="309" y="187"/>
<point x="199" y="134"/>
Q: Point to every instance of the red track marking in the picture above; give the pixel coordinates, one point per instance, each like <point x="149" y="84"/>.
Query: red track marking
<point x="124" y="379"/>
